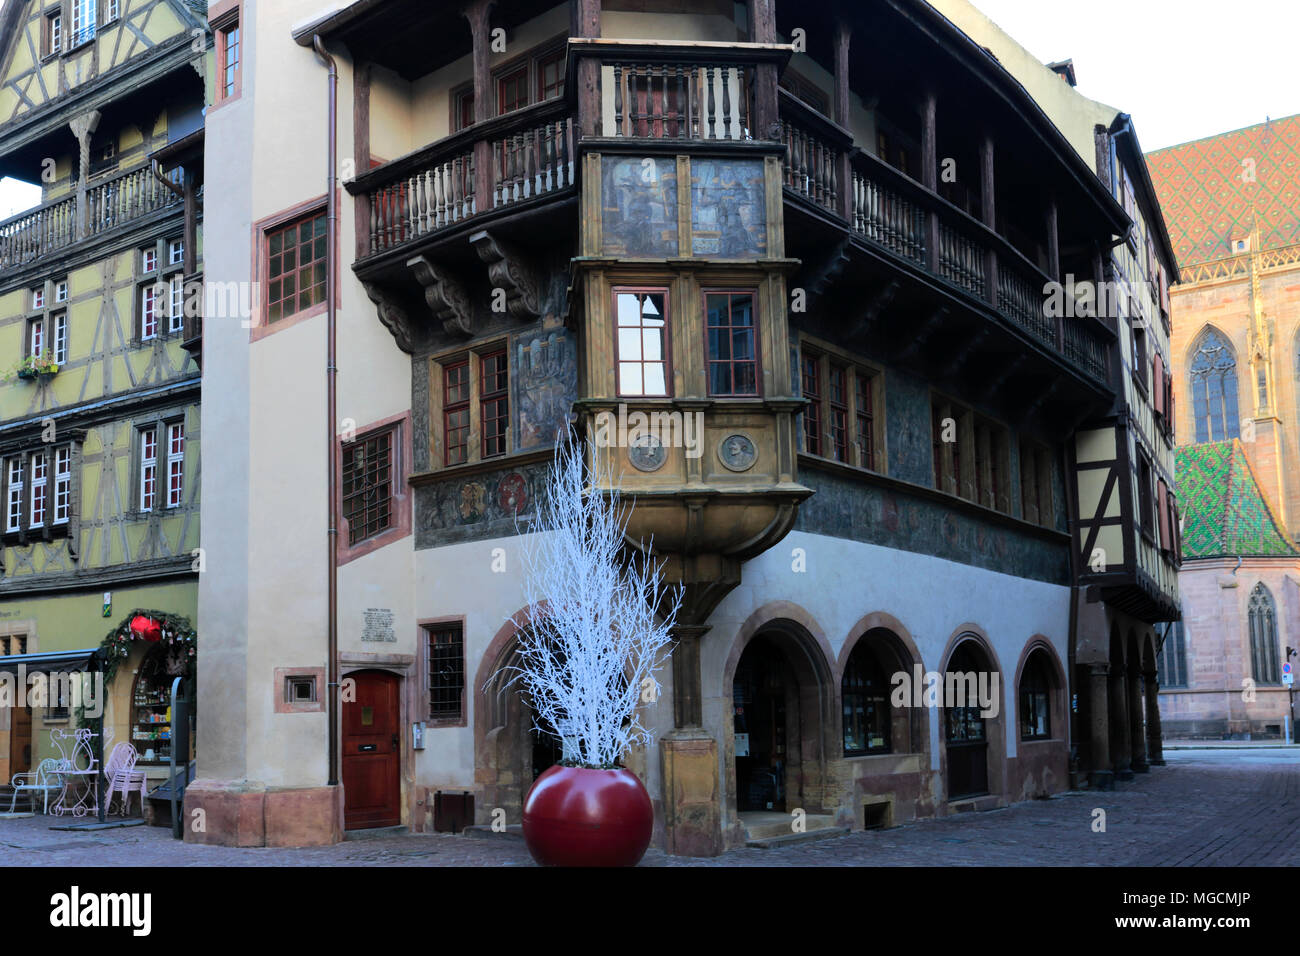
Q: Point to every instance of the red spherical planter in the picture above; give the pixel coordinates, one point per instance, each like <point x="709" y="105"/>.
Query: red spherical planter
<point x="579" y="817"/>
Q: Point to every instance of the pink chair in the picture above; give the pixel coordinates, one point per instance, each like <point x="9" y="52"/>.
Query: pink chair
<point x="123" y="778"/>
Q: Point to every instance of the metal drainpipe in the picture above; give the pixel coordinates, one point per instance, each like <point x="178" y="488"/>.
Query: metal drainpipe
<point x="331" y="401"/>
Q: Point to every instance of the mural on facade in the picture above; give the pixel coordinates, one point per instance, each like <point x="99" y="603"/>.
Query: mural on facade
<point x="545" y="383"/>
<point x="639" y="206"/>
<point x="728" y="208"/>
<point x="477" y="507"/>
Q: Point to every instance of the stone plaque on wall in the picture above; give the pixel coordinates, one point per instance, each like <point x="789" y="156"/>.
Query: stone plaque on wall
<point x="378" y="625"/>
<point x="639" y="206"/>
<point x="728" y="208"/>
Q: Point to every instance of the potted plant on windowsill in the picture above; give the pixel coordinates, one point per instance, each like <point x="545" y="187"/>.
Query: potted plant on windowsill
<point x="596" y="628"/>
<point x="41" y="367"/>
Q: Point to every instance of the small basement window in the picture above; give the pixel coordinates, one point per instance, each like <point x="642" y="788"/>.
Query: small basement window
<point x="300" y="689"/>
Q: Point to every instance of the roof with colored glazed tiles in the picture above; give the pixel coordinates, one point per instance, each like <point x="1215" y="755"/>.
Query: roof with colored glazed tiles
<point x="1224" y="512"/>
<point x="1208" y="199"/>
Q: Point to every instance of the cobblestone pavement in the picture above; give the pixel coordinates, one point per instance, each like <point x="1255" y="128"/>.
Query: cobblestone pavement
<point x="1207" y="807"/>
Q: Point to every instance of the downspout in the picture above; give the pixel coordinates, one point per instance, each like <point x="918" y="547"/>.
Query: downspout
<point x="331" y="403"/>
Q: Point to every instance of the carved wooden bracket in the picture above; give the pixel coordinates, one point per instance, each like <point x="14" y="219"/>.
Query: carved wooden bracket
<point x="510" y="270"/>
<point x="393" y="316"/>
<point x="446" y="296"/>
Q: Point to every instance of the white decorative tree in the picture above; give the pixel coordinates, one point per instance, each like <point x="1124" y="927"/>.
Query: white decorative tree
<point x="597" y="622"/>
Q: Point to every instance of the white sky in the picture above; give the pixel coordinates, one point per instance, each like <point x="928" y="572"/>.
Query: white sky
<point x="1184" y="69"/>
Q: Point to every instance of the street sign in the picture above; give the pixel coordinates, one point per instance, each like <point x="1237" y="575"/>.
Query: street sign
<point x="1286" y="668"/>
<point x="1288" y="679"/>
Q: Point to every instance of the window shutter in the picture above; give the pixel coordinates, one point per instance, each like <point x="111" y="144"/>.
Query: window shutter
<point x="1164" y="289"/>
<point x="1162" y="495"/>
<point x="1178" y="531"/>
<point x="1158" y="383"/>
<point x="1173" y="399"/>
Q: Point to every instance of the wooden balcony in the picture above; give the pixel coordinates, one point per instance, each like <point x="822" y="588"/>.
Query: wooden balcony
<point x="888" y="210"/>
<point x="500" y="165"/>
<point x="109" y="203"/>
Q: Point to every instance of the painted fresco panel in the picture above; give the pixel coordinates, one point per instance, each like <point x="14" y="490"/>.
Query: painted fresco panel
<point x="728" y="208"/>
<point x="639" y="206"/>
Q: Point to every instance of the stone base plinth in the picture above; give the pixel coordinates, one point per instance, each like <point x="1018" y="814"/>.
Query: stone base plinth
<point x="692" y="813"/>
<point x="243" y="813"/>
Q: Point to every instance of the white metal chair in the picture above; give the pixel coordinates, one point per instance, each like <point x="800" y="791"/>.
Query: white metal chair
<point x="123" y="778"/>
<point x="45" y="779"/>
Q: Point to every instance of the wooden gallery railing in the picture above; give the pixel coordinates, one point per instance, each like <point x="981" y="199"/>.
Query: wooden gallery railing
<point x="900" y="215"/>
<point x="108" y="203"/>
<point x="500" y="162"/>
<point x="816" y="154"/>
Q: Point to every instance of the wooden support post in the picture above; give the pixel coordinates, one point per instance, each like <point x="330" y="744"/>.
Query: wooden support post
<point x="762" y="29"/>
<point x="989" y="215"/>
<point x="930" y="176"/>
<point x="843" y="32"/>
<point x="584" y="21"/>
<point x="478" y="13"/>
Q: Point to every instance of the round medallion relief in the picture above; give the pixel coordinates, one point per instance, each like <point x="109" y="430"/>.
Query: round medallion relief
<point x="647" y="453"/>
<point x="737" y="452"/>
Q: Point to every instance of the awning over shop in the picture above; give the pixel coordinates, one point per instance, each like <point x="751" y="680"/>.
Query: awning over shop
<point x="59" y="662"/>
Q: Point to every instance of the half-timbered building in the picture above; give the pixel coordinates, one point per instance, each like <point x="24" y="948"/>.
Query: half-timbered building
<point x="813" y="245"/>
<point x="101" y="105"/>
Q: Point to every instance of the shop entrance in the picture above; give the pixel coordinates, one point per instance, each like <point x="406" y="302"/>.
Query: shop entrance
<point x="965" y="733"/>
<point x="372" y="752"/>
<point x="762" y="699"/>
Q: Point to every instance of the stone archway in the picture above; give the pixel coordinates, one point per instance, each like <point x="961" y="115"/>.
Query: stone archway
<point x="504" y="740"/>
<point x="807" y="694"/>
<point x="960" y="728"/>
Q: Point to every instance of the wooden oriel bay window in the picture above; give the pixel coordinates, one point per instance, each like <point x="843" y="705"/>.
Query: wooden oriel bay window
<point x="732" y="344"/>
<point x="641" y="342"/>
<point x="840" y="421"/>
<point x="471" y="390"/>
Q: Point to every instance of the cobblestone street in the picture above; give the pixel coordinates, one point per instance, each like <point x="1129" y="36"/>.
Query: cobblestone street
<point x="1207" y="807"/>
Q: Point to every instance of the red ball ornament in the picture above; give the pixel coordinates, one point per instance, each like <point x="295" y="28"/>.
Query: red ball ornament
<point x="146" y="628"/>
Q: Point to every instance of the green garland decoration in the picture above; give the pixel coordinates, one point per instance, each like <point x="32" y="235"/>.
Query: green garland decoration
<point x="176" y="629"/>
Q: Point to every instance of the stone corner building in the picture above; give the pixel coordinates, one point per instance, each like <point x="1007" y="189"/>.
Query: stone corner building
<point x="906" y="463"/>
<point x="1231" y="202"/>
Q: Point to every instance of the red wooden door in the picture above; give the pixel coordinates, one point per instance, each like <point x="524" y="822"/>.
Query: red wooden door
<point x="371" y="753"/>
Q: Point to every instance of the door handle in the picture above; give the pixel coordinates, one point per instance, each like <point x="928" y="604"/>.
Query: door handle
<point x="394" y="740"/>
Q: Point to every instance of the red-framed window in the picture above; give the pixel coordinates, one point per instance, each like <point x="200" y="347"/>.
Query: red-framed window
<point x="40" y="489"/>
<point x="455" y="411"/>
<point x="446" y="657"/>
<point x="367" y="486"/>
<point x="865" y="422"/>
<point x="228" y="58"/>
<point x="512" y="90"/>
<point x="642" y="342"/>
<point x="494" y="402"/>
<point x="550" y="76"/>
<point x="810" y="386"/>
<point x="732" y="343"/>
<point x="148" y="468"/>
<point x="175" y="464"/>
<point x="837" y="399"/>
<point x="296" y="267"/>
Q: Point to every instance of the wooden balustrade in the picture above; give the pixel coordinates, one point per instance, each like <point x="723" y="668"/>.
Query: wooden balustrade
<point x="895" y="213"/>
<point x="679" y="100"/>
<point x="33" y="234"/>
<point x="961" y="260"/>
<point x="533" y="162"/>
<point x="108" y="203"/>
<point x="426" y="199"/>
<point x="888" y="218"/>
<point x="128" y="196"/>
